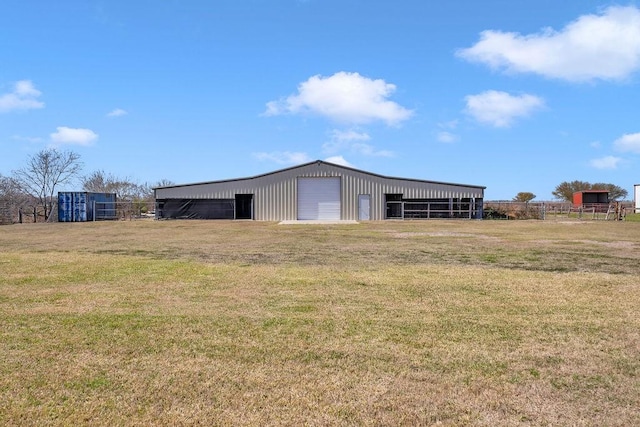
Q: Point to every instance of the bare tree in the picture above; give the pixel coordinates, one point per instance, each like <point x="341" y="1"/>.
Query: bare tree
<point x="150" y="193"/>
<point x="139" y="197"/>
<point x="44" y="172"/>
<point x="12" y="198"/>
<point x="98" y="182"/>
<point x="125" y="188"/>
<point x="164" y="183"/>
<point x="9" y="189"/>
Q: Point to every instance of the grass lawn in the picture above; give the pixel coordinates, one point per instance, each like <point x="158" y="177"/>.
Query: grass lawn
<point x="442" y="323"/>
<point x="633" y="217"/>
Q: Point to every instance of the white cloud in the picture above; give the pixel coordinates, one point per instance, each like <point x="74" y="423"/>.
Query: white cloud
<point x="628" y="143"/>
<point x="341" y="140"/>
<point x="500" y="109"/>
<point x="369" y="150"/>
<point x="26" y="138"/>
<point x="349" y="135"/>
<point x="353" y="141"/>
<point x="608" y="162"/>
<point x="604" y="46"/>
<point x="452" y="124"/>
<point x="24" y="96"/>
<point x="283" y="157"/>
<point x="343" y="97"/>
<point x="117" y="113"/>
<point x="447" y="137"/>
<point x="73" y="136"/>
<point x="596" y="144"/>
<point x="26" y="88"/>
<point x="338" y="160"/>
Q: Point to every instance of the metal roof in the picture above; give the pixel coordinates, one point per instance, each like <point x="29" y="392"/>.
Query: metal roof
<point x="318" y="162"/>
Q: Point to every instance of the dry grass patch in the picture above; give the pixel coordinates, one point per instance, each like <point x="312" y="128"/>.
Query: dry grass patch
<point x="214" y="323"/>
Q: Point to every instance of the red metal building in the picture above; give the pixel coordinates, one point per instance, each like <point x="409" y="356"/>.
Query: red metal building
<point x="591" y="197"/>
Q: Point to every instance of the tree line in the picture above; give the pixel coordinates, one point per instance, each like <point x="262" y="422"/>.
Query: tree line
<point x="45" y="172"/>
<point x="38" y="181"/>
<point x="564" y="191"/>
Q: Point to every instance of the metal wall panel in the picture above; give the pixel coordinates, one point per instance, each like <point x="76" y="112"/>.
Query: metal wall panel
<point x="275" y="194"/>
<point x="65" y="207"/>
<point x="78" y="206"/>
<point x="105" y="206"/>
<point x="72" y="206"/>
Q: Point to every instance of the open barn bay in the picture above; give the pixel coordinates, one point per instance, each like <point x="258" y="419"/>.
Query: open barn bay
<point x="381" y="323"/>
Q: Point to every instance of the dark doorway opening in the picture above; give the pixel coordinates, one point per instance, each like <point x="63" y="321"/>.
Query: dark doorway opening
<point x="244" y="206"/>
<point x="393" y="205"/>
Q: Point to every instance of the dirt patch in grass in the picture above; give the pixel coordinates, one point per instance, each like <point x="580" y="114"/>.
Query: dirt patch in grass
<point x="530" y="245"/>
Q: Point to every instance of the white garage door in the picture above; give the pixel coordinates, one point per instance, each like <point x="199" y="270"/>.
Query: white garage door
<point x="319" y="199"/>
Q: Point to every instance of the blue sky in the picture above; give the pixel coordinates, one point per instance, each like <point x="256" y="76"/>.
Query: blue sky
<point x="512" y="95"/>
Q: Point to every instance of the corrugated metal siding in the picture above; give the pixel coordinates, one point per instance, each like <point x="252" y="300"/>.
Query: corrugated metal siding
<point x="72" y="206"/>
<point x="77" y="206"/>
<point x="275" y="194"/>
<point x="319" y="198"/>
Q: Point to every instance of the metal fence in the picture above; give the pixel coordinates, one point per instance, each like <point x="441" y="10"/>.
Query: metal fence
<point x="124" y="210"/>
<point x="5" y="213"/>
<point x="506" y="210"/>
<point x="29" y="213"/>
<point x="556" y="210"/>
<point x="12" y="214"/>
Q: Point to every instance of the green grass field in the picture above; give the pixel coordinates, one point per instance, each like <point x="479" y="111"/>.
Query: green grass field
<point x="444" y="323"/>
<point x="634" y="217"/>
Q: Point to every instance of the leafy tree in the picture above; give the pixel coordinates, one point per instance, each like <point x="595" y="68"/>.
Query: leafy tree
<point x="615" y="192"/>
<point x="565" y="190"/>
<point x="524" y="196"/>
<point x="45" y="172"/>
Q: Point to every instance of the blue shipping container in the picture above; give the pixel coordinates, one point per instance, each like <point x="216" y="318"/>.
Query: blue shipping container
<point x="75" y="206"/>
